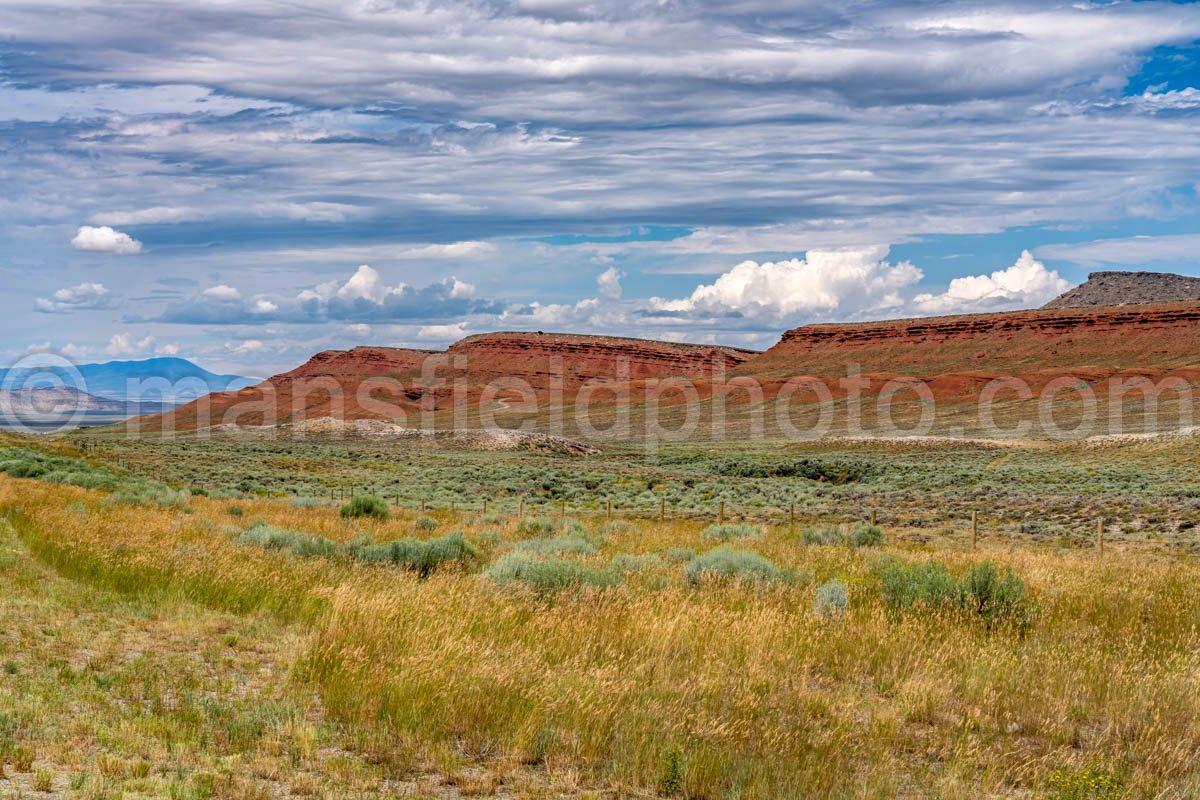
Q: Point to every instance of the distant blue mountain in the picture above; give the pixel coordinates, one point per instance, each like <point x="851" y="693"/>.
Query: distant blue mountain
<point x="154" y="380"/>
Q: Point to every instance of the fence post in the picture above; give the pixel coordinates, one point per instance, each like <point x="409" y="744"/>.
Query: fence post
<point x="485" y="505"/>
<point x="792" y="515"/>
<point x="874" y="516"/>
<point x="422" y="505"/>
<point x="662" y="509"/>
<point x="1100" y="533"/>
<point x="562" y="509"/>
<point x="608" y="510"/>
<point x="521" y="506"/>
<point x="453" y="507"/>
<point x="974" y="528"/>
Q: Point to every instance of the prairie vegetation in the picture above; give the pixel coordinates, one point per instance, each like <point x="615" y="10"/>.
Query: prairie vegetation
<point x="550" y="656"/>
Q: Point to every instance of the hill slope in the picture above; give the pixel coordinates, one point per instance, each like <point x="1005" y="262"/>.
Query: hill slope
<point x="498" y="368"/>
<point x="1128" y="288"/>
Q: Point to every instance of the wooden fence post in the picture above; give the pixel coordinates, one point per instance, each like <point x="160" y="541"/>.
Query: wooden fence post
<point x="521" y="506"/>
<point x="792" y="515"/>
<point x="974" y="528"/>
<point x="562" y="509"/>
<point x="422" y="505"/>
<point x="662" y="509"/>
<point x="874" y="516"/>
<point x="608" y="510"/>
<point x="721" y="514"/>
<point x="1100" y="533"/>
<point x="485" y="505"/>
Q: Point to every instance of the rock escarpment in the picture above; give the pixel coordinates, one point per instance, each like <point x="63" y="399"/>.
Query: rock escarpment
<point x="1128" y="288"/>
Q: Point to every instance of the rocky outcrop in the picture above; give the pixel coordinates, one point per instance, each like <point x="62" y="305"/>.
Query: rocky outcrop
<point x="1128" y="288"/>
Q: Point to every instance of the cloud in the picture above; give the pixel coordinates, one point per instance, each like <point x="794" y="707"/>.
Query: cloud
<point x="844" y="281"/>
<point x="767" y="129"/>
<point x="363" y="298"/>
<point x="222" y="294"/>
<point x="609" y="283"/>
<point x="76" y="298"/>
<point x="245" y="346"/>
<point x="442" y="333"/>
<point x="148" y="216"/>
<point x="105" y="240"/>
<point x="1026" y="284"/>
<point x="125" y="344"/>
<point x="1129" y="251"/>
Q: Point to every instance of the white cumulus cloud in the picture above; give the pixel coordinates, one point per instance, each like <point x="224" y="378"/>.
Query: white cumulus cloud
<point x="609" y="283"/>
<point x="828" y="281"/>
<point x="222" y="293"/>
<point x="442" y="333"/>
<point x="105" y="240"/>
<point x="75" y="298"/>
<point x="125" y="344"/>
<point x="1026" y="284"/>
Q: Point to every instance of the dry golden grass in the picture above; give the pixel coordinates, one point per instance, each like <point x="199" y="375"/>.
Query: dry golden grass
<point x="747" y="690"/>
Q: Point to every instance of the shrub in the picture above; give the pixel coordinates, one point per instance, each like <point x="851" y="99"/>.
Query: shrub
<point x="995" y="595"/>
<point x="260" y="534"/>
<point x="858" y="535"/>
<point x="984" y="592"/>
<point x="726" y="563"/>
<point x="534" y="526"/>
<point x="835" y="472"/>
<point x="831" y="599"/>
<point x="865" y="535"/>
<point x="365" y="505"/>
<point x="547" y="575"/>
<point x="559" y="544"/>
<point x="425" y="524"/>
<point x="415" y="555"/>
<point x="726" y="532"/>
<point x="680" y="554"/>
<point x="905" y="585"/>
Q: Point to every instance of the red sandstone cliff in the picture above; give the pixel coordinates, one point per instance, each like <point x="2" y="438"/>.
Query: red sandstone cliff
<point x="1152" y="337"/>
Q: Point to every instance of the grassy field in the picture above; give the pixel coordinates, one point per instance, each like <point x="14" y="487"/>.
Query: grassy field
<point x="1145" y="492"/>
<point x="159" y="643"/>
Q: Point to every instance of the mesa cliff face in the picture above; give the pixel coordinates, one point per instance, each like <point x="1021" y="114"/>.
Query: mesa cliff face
<point x="1151" y="337"/>
<point x="538" y="357"/>
<point x="392" y="383"/>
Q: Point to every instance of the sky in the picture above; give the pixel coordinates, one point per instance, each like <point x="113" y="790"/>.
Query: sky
<point x="247" y="183"/>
